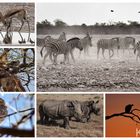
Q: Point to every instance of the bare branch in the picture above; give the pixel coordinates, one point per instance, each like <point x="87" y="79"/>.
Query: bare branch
<point x="21" y="111"/>
<point x="17" y="132"/>
<point x="133" y="116"/>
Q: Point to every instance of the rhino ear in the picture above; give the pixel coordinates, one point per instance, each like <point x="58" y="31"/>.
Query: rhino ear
<point x="90" y="103"/>
<point x="97" y="101"/>
<point x="70" y="104"/>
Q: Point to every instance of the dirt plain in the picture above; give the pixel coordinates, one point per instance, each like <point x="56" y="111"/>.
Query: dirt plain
<point x="121" y="73"/>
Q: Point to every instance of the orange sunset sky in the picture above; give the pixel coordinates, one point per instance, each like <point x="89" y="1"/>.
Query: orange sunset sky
<point x="121" y="126"/>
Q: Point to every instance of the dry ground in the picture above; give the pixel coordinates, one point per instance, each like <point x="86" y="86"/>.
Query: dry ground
<point x="121" y="73"/>
<point x="94" y="128"/>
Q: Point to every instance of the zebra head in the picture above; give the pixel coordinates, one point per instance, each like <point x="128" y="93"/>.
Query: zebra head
<point x="115" y="42"/>
<point x="89" y="40"/>
<point x="75" y="43"/>
<point x="79" y="46"/>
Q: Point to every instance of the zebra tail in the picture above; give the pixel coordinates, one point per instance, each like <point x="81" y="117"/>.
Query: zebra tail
<point x="41" y="51"/>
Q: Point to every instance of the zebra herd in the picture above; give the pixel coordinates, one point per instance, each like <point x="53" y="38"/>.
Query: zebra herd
<point x="115" y="43"/>
<point x="54" y="47"/>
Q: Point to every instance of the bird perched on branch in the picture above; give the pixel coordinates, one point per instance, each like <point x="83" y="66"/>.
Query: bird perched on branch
<point x="128" y="108"/>
<point x="3" y="110"/>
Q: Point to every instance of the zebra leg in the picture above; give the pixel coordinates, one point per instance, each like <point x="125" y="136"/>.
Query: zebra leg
<point x="98" y="50"/>
<point x="55" y="59"/>
<point x="80" y="53"/>
<point x="117" y="52"/>
<point x="66" y="58"/>
<point x="110" y="56"/>
<point x="137" y="56"/>
<point x="123" y="50"/>
<point x="46" y="55"/>
<point x="87" y="50"/>
<point x="103" y="50"/>
<point x="71" y="52"/>
<point x="51" y="56"/>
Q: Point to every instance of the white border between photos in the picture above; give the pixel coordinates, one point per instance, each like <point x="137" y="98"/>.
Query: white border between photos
<point x="104" y="93"/>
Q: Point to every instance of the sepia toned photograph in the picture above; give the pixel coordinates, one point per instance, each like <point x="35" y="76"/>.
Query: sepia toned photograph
<point x="122" y="115"/>
<point x="70" y="115"/>
<point x="93" y="49"/>
<point x="17" y="70"/>
<point x="17" y="115"/>
<point x="17" y="24"/>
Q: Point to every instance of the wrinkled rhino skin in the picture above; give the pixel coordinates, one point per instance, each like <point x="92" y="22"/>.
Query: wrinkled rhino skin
<point x="52" y="109"/>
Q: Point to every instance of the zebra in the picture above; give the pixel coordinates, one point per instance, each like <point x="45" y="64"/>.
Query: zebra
<point x="46" y="42"/>
<point x="126" y="42"/>
<point x="61" y="47"/>
<point x="62" y="37"/>
<point x="109" y="44"/>
<point x="41" y="41"/>
<point x="86" y="42"/>
<point x="137" y="49"/>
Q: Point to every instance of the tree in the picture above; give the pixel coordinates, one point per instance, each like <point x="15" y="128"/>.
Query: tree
<point x="133" y="23"/>
<point x="19" y="121"/>
<point x="59" y="23"/>
<point x="17" y="69"/>
<point x="46" y="23"/>
<point x="133" y="114"/>
<point x="84" y="25"/>
<point x="121" y="24"/>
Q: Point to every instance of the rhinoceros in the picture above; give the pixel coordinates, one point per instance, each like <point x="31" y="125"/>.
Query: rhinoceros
<point x="52" y="109"/>
<point x="88" y="107"/>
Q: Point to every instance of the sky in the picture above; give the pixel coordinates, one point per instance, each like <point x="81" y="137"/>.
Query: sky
<point x="88" y="13"/>
<point x="23" y="102"/>
<point x="121" y="126"/>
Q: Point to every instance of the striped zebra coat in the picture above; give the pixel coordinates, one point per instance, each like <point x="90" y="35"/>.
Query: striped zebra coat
<point x="43" y="42"/>
<point x="86" y="42"/>
<point x="109" y="44"/>
<point x="137" y="50"/>
<point x="61" y="47"/>
<point x="62" y="37"/>
<point x="126" y="42"/>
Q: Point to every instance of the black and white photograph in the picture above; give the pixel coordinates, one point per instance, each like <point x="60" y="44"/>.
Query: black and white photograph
<point x="88" y="47"/>
<point x="17" y="24"/>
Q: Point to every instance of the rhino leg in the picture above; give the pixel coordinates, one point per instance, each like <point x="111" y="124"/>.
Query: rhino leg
<point x="41" y="114"/>
<point x="66" y="123"/>
<point x="46" y="119"/>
